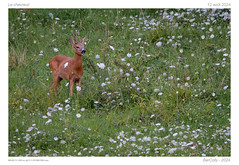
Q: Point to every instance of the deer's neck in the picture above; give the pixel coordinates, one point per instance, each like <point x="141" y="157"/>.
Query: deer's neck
<point x="78" y="61"/>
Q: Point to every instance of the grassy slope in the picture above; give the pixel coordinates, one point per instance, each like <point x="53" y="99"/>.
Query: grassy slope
<point x="177" y="108"/>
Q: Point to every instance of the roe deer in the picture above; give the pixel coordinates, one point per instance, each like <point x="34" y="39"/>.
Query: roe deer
<point x="71" y="69"/>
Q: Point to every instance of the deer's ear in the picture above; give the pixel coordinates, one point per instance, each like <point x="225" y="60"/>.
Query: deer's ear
<point x="72" y="41"/>
<point x="83" y="40"/>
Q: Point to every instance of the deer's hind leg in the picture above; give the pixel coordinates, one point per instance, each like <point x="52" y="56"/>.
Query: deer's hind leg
<point x="55" y="82"/>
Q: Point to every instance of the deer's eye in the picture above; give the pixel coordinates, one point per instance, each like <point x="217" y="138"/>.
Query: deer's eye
<point x="77" y="47"/>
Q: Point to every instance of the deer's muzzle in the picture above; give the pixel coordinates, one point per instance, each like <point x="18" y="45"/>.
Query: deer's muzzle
<point x="83" y="52"/>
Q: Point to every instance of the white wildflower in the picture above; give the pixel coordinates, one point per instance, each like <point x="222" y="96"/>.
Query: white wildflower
<point x="51" y="15"/>
<point x="186" y="66"/>
<point x="193" y="147"/>
<point x="112" y="48"/>
<point x="78" y="88"/>
<point x="203" y="37"/>
<point x="78" y="115"/>
<point x="156" y="90"/>
<point x="101" y="65"/>
<point x="129" y="55"/>
<point x="63" y="142"/>
<point x="56" y="50"/>
<point x="67" y="100"/>
<point x="219" y="148"/>
<point x="175" y="134"/>
<point x="55" y="138"/>
<point x="103" y="84"/>
<point x="159" y="44"/>
<point x="174" y="142"/>
<point x="25" y="100"/>
<point x="160" y="93"/>
<point x="172" y="66"/>
<point x="133" y="84"/>
<point x="97" y="56"/>
<point x="157" y="102"/>
<point x="48" y="121"/>
<point x="172" y="150"/>
<point x="30" y="129"/>
<point x="157" y="124"/>
<point x="48" y="114"/>
<point x="36" y="151"/>
<point x="140" y="147"/>
<point x="132" y="138"/>
<point x="225" y="87"/>
<point x="138" y="133"/>
<point x="212" y="36"/>
<point x="189" y="144"/>
<point x="147" y="138"/>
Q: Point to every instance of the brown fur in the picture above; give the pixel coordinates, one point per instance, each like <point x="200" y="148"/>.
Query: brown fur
<point x="73" y="71"/>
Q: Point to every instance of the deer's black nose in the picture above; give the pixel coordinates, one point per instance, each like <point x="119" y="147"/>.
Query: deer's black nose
<point x="83" y="51"/>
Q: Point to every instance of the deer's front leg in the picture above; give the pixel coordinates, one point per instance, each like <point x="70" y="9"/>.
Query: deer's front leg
<point x="71" y="86"/>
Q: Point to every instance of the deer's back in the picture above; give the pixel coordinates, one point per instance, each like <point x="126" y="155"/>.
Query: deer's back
<point x="57" y="61"/>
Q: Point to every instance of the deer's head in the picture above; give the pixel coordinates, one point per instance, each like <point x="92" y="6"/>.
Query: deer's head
<point x="78" y="45"/>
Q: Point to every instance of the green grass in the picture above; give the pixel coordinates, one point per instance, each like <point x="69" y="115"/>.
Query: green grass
<point x="172" y="100"/>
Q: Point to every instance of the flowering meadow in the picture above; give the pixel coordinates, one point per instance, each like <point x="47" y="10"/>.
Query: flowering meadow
<point x="156" y="83"/>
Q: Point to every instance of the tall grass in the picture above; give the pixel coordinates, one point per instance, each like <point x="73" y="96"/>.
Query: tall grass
<point x="148" y="100"/>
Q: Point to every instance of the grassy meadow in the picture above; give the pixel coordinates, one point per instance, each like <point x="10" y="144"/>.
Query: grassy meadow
<point x="156" y="83"/>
